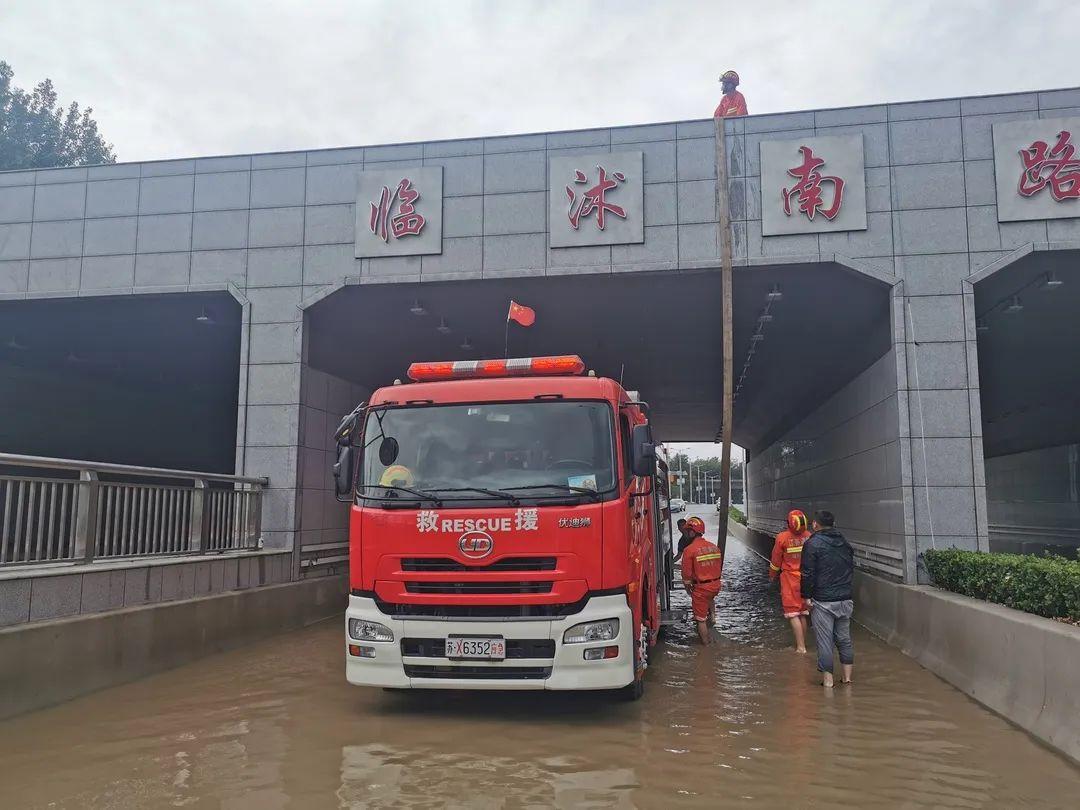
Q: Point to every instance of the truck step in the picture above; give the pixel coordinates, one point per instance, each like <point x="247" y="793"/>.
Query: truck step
<point x="668" y="617"/>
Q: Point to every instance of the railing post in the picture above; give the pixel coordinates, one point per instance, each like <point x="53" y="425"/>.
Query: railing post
<point x="256" y="534"/>
<point x="86" y="516"/>
<point x="200" y="515"/>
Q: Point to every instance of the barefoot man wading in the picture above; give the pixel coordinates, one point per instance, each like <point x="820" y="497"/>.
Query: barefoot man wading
<point x="827" y="564"/>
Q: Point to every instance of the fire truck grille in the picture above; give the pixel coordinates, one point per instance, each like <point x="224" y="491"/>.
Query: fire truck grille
<point x="478" y="673"/>
<point x="478" y="587"/>
<point x="507" y="564"/>
<point x="516" y="648"/>
<point x="516" y="612"/>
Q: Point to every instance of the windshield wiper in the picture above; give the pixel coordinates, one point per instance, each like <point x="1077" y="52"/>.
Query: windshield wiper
<point x="495" y="493"/>
<point x="430" y="496"/>
<point x="564" y="487"/>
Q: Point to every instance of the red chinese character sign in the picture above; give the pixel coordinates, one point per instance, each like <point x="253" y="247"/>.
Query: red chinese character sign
<point x="399" y="212"/>
<point x="1037" y="168"/>
<point x="596" y="199"/>
<point x="813" y="185"/>
<point x="806" y="195"/>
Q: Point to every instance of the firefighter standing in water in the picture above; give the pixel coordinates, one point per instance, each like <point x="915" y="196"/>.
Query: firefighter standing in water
<point x="733" y="102"/>
<point x="701" y="566"/>
<point x="786" y="563"/>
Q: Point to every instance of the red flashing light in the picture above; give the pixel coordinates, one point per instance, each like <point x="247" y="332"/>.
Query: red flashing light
<point x="515" y="367"/>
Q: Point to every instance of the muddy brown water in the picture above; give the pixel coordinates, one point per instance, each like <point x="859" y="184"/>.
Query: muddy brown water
<point x="743" y="723"/>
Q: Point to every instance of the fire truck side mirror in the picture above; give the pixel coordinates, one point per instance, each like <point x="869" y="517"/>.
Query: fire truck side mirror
<point x="642" y="451"/>
<point x="343" y="471"/>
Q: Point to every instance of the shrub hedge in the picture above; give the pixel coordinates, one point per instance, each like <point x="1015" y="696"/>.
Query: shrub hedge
<point x="734" y="513"/>
<point x="1046" y="586"/>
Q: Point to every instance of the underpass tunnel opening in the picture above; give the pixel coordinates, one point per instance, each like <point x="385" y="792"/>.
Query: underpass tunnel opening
<point x="817" y="404"/>
<point x="829" y="335"/>
<point x="1028" y="338"/>
<point x="147" y="380"/>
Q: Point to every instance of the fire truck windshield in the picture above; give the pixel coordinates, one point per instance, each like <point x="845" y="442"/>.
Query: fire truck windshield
<point x="490" y="450"/>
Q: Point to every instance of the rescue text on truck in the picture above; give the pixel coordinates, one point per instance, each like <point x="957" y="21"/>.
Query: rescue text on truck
<point x="505" y="530"/>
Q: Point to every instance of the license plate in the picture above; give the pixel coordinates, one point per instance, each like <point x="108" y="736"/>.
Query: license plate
<point x="492" y="648"/>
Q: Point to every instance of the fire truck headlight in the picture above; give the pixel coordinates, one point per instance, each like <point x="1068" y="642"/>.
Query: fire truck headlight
<point x="369" y="631"/>
<point x="605" y="630"/>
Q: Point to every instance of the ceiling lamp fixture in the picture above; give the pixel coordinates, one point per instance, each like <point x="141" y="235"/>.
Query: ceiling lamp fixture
<point x="982" y="325"/>
<point x="1015" y="305"/>
<point x="774" y="293"/>
<point x="466" y="345"/>
<point x="1052" y="281"/>
<point x="204" y="316"/>
<point x="757" y="337"/>
<point x="443" y="328"/>
<point x="417" y="308"/>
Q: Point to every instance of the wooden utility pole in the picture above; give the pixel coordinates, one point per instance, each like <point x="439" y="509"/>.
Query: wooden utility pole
<point x="723" y="241"/>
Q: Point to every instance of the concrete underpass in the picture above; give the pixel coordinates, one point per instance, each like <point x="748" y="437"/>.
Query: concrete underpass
<point x="206" y="322"/>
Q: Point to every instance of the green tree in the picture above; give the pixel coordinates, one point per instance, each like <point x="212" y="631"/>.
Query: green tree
<point x="706" y="474"/>
<point x="36" y="132"/>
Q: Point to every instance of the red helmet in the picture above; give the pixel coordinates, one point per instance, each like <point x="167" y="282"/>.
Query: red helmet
<point x="796" y="521"/>
<point x="730" y="75"/>
<point x="696" y="524"/>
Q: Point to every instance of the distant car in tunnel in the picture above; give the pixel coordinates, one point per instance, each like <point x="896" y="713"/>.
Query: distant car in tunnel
<point x="677" y="505"/>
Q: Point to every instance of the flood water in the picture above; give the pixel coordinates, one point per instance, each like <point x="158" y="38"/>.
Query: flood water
<point x="742" y="723"/>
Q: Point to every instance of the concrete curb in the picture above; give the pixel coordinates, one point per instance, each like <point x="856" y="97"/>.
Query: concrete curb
<point x="1021" y="666"/>
<point x="44" y="663"/>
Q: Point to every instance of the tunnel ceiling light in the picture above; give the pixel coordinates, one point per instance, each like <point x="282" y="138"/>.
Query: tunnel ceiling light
<point x="982" y="325"/>
<point x="757" y="337"/>
<point x="1015" y="305"/>
<point x="443" y="328"/>
<point x="765" y="317"/>
<point x="774" y="293"/>
<point x="467" y="345"/>
<point x="417" y="308"/>
<point x="204" y="316"/>
<point x="1052" y="281"/>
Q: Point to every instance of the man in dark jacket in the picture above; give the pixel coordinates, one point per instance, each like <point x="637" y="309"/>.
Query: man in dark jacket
<point x="827" y="565"/>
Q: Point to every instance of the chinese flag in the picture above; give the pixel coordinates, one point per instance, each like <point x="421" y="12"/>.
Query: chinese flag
<point x="521" y="314"/>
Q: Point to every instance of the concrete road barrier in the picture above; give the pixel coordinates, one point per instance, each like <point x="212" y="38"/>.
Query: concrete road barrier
<point x="1023" y="667"/>
<point x="44" y="663"/>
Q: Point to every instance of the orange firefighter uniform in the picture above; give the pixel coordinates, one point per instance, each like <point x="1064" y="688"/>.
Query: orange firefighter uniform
<point x="701" y="566"/>
<point x="787" y="561"/>
<point x="732" y="103"/>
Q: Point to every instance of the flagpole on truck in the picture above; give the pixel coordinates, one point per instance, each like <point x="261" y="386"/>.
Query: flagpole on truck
<point x="519" y="314"/>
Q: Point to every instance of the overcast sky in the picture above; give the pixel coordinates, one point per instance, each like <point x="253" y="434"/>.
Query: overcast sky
<point x="200" y="78"/>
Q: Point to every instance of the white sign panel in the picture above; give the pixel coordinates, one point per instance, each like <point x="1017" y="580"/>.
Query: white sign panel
<point x="1037" y="168"/>
<point x="813" y="185"/>
<point x="399" y="212"/>
<point x="596" y="199"/>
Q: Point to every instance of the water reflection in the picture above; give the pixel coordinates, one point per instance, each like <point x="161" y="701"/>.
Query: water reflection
<point x="275" y="725"/>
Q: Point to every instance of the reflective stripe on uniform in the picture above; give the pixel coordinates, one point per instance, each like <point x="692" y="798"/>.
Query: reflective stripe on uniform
<point x="716" y="556"/>
<point x="774" y="567"/>
<point x="793" y="550"/>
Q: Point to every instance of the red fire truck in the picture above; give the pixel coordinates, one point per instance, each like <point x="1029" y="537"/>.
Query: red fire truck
<point x="509" y="529"/>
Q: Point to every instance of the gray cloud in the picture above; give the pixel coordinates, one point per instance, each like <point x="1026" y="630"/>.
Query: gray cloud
<point x="170" y="80"/>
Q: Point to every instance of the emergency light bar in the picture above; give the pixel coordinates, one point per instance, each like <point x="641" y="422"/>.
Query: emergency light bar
<point x="515" y="367"/>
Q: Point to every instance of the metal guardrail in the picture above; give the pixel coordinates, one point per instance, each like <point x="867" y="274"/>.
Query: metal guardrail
<point x="876" y="559"/>
<point x="61" y="510"/>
